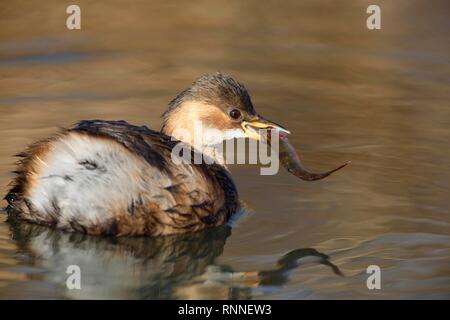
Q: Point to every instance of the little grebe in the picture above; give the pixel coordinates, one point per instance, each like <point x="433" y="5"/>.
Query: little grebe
<point x="113" y="178"/>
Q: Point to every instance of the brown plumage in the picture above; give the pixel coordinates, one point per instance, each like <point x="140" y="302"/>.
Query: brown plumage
<point x="113" y="178"/>
<point x="196" y="207"/>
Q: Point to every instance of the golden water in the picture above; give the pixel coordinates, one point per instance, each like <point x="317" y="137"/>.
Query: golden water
<point x="378" y="98"/>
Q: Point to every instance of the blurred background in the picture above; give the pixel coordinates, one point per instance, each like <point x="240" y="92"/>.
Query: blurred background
<point x="379" y="98"/>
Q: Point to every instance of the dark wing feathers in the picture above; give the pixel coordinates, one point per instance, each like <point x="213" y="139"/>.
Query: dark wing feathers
<point x="141" y="140"/>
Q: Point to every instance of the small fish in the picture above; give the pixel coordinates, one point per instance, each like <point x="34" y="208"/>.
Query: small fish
<point x="290" y="159"/>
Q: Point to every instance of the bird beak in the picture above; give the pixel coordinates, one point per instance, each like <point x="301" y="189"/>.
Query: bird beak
<point x="252" y="128"/>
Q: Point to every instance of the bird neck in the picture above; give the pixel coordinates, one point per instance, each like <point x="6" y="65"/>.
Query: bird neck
<point x="207" y="142"/>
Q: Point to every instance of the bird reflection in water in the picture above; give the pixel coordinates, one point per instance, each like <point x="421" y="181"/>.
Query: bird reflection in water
<point x="171" y="267"/>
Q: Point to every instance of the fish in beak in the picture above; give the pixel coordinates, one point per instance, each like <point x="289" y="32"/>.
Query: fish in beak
<point x="289" y="157"/>
<point x="252" y="128"/>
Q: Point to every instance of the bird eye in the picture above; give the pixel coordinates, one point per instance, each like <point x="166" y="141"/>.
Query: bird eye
<point x="235" y="114"/>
